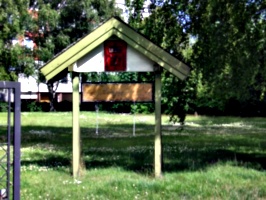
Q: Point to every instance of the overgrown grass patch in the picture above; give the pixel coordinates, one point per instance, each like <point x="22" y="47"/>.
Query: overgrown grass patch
<point x="221" y="181"/>
<point x="208" y="158"/>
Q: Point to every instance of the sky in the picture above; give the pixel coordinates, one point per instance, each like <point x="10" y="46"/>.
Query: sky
<point x="121" y="4"/>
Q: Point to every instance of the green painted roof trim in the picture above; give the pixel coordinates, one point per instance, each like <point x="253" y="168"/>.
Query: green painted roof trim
<point x="120" y="29"/>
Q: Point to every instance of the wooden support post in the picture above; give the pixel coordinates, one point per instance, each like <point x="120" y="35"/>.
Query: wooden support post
<point x="158" y="121"/>
<point x="75" y="126"/>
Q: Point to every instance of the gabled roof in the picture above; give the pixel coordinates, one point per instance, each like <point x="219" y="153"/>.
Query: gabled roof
<point x="114" y="26"/>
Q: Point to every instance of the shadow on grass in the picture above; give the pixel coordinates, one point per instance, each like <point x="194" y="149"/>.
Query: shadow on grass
<point x="200" y="159"/>
<point x="181" y="151"/>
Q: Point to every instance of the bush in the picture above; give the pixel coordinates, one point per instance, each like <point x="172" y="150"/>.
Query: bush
<point x="143" y="108"/>
<point x="34" y="106"/>
<point x="3" y="106"/>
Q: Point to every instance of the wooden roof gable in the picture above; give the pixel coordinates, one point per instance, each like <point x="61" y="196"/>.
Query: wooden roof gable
<point x="114" y="26"/>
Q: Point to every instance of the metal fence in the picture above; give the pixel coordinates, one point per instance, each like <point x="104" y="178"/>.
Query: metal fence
<point x="10" y="136"/>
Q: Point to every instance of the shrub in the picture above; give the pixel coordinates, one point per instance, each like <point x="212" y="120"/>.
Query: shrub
<point x="3" y="106"/>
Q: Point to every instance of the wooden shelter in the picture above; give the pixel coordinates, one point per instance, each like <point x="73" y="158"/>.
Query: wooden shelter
<point x="114" y="46"/>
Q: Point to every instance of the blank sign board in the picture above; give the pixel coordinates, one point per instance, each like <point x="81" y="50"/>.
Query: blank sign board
<point x="117" y="92"/>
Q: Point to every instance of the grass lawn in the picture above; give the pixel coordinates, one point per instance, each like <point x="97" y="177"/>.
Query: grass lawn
<point x="210" y="158"/>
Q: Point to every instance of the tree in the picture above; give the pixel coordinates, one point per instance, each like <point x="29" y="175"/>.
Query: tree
<point x="163" y="28"/>
<point x="60" y="23"/>
<point x="230" y="47"/>
<point x="227" y="54"/>
<point x="14" y="59"/>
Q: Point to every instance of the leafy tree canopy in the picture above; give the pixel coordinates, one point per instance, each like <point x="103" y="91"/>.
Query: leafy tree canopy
<point x="230" y="47"/>
<point x="223" y="41"/>
<point x="13" y="58"/>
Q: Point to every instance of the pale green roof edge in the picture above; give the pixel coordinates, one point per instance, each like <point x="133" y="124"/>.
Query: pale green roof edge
<point x="114" y="27"/>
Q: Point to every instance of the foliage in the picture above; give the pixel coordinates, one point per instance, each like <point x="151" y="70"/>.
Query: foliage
<point x="223" y="42"/>
<point x="14" y="59"/>
<point x="162" y="28"/>
<point x="32" y="106"/>
<point x="63" y="23"/>
<point x="3" y="106"/>
<point x="142" y="108"/>
<point x="230" y="48"/>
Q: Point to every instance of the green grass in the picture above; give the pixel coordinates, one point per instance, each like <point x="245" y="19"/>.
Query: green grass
<point x="209" y="158"/>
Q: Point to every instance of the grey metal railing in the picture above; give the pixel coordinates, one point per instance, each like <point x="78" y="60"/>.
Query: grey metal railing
<point x="10" y="136"/>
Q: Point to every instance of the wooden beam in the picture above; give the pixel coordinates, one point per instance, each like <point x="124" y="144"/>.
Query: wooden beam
<point x="158" y="122"/>
<point x="76" y="165"/>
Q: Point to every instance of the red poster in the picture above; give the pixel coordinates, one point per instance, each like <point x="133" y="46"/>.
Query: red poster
<point x="115" y="55"/>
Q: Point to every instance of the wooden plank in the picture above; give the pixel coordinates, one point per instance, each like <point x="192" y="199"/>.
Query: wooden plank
<point x="117" y="92"/>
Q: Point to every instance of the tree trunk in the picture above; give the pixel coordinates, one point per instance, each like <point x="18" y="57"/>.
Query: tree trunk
<point x="52" y="87"/>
